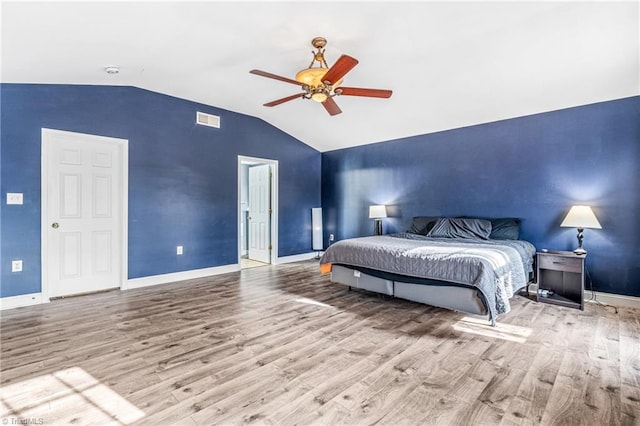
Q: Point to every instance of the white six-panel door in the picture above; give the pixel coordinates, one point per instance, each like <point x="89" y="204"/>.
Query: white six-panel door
<point x="260" y="213"/>
<point x="82" y="212"/>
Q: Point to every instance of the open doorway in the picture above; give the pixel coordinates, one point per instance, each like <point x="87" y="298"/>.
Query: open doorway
<point x="257" y="211"/>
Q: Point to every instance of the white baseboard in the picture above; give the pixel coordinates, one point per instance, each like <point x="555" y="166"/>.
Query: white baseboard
<point x="178" y="276"/>
<point x="613" y="299"/>
<point x="297" y="257"/>
<point x="22" y="300"/>
<point x="606" y="298"/>
<point x="13" y="302"/>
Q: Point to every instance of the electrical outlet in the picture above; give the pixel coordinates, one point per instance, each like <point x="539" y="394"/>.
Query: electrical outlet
<point x="14" y="198"/>
<point x="16" y="266"/>
<point x="179" y="250"/>
<point x="331" y="237"/>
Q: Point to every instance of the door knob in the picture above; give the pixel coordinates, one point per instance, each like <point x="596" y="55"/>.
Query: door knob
<point x="55" y="225"/>
<point x="249" y="217"/>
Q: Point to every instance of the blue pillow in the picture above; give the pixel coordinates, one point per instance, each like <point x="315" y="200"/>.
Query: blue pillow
<point x="422" y="225"/>
<point x="448" y="227"/>
<point x="505" y="229"/>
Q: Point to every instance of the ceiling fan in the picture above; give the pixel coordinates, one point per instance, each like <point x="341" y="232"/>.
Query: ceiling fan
<point x="322" y="83"/>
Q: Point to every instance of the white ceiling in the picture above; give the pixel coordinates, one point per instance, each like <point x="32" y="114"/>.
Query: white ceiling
<point x="449" y="64"/>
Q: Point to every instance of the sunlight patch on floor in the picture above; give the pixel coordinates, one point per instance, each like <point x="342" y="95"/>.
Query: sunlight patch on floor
<point x="67" y="396"/>
<point x="512" y="333"/>
<point x="249" y="263"/>
<point x="313" y="302"/>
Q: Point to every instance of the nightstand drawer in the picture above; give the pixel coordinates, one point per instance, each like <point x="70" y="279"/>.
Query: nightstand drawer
<point x="560" y="263"/>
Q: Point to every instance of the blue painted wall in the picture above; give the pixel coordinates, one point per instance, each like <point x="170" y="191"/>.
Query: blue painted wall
<point x="182" y="177"/>
<point x="533" y="167"/>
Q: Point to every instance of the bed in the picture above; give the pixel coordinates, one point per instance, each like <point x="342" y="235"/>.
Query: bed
<point x="466" y="264"/>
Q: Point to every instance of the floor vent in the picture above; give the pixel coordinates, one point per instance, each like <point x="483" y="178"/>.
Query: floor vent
<point x="207" y="120"/>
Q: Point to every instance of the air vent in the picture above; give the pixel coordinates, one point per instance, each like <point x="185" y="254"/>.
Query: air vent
<point x="208" y="120"/>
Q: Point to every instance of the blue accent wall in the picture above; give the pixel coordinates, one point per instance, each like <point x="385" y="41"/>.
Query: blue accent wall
<point x="183" y="177"/>
<point x="532" y="167"/>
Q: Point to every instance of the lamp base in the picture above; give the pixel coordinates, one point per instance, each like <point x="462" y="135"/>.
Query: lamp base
<point x="377" y="227"/>
<point x="580" y="250"/>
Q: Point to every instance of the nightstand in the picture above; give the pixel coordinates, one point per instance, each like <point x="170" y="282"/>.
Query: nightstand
<point x="561" y="272"/>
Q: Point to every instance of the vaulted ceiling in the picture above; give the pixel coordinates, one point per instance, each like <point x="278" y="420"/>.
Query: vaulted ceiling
<point x="449" y="64"/>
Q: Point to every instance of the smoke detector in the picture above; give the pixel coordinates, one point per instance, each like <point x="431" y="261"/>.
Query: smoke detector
<point x="112" y="70"/>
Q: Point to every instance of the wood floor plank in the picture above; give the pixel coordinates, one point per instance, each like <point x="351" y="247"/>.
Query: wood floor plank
<point x="566" y="400"/>
<point x="282" y="345"/>
<point x="422" y="398"/>
<point x="532" y="395"/>
<point x="475" y="413"/>
<point x="630" y="362"/>
<point x="369" y="400"/>
<point x="259" y="405"/>
<point x="198" y="402"/>
<point x="351" y="368"/>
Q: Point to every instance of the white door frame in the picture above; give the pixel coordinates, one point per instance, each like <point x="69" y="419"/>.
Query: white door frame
<point x="123" y="145"/>
<point x="274" y="204"/>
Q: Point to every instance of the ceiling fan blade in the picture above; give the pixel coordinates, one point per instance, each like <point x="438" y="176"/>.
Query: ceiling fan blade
<point x="331" y="106"/>
<point x="359" y="91"/>
<point x="283" y="100"/>
<point x="343" y="65"/>
<point x="275" y="77"/>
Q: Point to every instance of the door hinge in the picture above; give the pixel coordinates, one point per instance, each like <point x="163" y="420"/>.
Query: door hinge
<point x="270" y="247"/>
<point x="270" y="211"/>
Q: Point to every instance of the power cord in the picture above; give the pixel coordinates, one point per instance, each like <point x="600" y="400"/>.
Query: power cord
<point x="594" y="298"/>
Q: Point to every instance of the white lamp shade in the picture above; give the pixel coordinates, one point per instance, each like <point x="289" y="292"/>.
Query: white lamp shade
<point x="581" y="217"/>
<point x="378" y="211"/>
<point x="316" y="229"/>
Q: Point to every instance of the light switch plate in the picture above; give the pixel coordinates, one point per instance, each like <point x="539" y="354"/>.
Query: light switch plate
<point x="14" y="198"/>
<point x="179" y="250"/>
<point x="16" y="266"/>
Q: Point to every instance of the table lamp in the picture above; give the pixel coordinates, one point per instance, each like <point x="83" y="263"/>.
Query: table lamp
<point x="377" y="213"/>
<point x="581" y="217"/>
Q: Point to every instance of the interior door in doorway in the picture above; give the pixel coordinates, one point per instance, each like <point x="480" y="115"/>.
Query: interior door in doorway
<point x="83" y="213"/>
<point x="260" y="213"/>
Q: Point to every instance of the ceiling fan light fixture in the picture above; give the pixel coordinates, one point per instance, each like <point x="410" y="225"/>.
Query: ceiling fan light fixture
<point x="311" y="76"/>
<point x="319" y="96"/>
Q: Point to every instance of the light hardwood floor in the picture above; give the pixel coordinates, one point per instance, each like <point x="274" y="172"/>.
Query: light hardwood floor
<point x="282" y="345"/>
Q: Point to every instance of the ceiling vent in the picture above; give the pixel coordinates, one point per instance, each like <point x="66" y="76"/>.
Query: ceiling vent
<point x="207" y="119"/>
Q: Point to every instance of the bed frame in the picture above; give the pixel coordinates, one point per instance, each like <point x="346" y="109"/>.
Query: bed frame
<point x="431" y="292"/>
